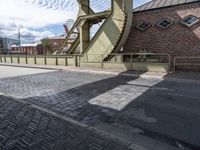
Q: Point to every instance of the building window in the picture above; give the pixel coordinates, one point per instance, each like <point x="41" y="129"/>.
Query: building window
<point x="190" y="21"/>
<point x="165" y="23"/>
<point x="143" y="26"/>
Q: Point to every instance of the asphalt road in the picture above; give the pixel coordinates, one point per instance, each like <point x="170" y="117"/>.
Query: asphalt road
<point x="169" y="109"/>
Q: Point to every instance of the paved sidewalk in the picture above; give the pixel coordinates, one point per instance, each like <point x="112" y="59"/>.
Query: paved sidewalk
<point x="91" y="70"/>
<point x="6" y="71"/>
<point x="181" y="76"/>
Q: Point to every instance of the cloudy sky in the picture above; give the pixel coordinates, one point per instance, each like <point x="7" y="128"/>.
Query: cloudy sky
<point x="41" y="18"/>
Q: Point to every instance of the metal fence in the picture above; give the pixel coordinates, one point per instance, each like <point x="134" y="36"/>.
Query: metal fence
<point x="130" y="61"/>
<point x="39" y="60"/>
<point x="127" y="57"/>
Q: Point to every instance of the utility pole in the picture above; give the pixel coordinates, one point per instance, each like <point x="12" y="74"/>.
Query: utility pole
<point x="19" y="37"/>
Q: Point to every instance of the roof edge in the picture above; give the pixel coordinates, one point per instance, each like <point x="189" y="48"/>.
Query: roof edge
<point x="157" y="8"/>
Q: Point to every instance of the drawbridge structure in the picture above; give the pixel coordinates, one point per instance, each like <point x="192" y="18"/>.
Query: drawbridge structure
<point x="110" y="37"/>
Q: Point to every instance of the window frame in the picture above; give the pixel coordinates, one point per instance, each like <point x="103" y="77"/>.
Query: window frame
<point x="169" y="20"/>
<point x="139" y="28"/>
<point x="190" y="25"/>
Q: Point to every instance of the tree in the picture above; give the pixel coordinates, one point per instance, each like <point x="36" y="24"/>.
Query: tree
<point x="47" y="46"/>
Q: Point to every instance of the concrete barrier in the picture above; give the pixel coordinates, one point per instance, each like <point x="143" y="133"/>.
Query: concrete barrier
<point x="112" y="65"/>
<point x="155" y="67"/>
<point x="23" y="60"/>
<point x="62" y="61"/>
<point x="51" y="61"/>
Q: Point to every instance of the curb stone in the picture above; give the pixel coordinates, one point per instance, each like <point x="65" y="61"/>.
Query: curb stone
<point x="103" y="72"/>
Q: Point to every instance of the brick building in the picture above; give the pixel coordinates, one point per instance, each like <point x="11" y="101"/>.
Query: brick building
<point x="28" y="49"/>
<point x="166" y="26"/>
<point x="51" y="44"/>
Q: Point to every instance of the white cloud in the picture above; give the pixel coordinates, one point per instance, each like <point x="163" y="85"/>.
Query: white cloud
<point x="27" y="35"/>
<point x="32" y="35"/>
<point x="32" y="15"/>
<point x="35" y="13"/>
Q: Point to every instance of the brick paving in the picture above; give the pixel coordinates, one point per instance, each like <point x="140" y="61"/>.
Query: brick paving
<point x="65" y="92"/>
<point x="25" y="128"/>
<point x="161" y="109"/>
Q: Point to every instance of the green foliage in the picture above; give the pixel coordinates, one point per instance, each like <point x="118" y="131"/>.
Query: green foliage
<point x="47" y="46"/>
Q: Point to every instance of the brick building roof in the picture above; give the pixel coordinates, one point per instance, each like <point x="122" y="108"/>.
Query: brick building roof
<point x="155" y="4"/>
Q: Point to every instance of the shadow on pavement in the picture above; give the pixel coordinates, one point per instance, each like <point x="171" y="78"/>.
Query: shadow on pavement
<point x="165" y="110"/>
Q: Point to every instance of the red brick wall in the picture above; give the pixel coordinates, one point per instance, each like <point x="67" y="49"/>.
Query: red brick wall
<point x="177" y="40"/>
<point x="40" y="50"/>
<point x="29" y="50"/>
<point x="54" y="44"/>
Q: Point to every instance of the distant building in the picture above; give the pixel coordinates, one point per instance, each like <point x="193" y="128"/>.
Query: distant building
<point x="28" y="49"/>
<point x="51" y="44"/>
<point x="6" y="44"/>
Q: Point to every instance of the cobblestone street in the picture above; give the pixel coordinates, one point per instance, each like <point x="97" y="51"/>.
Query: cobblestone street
<point x="25" y="128"/>
<point x="167" y="111"/>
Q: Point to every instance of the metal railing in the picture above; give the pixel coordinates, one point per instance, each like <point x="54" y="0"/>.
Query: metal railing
<point x="128" y="61"/>
<point x="38" y="59"/>
<point x="127" y="57"/>
<point x="186" y="61"/>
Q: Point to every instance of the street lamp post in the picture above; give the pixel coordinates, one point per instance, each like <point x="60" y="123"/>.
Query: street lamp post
<point x="19" y="37"/>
